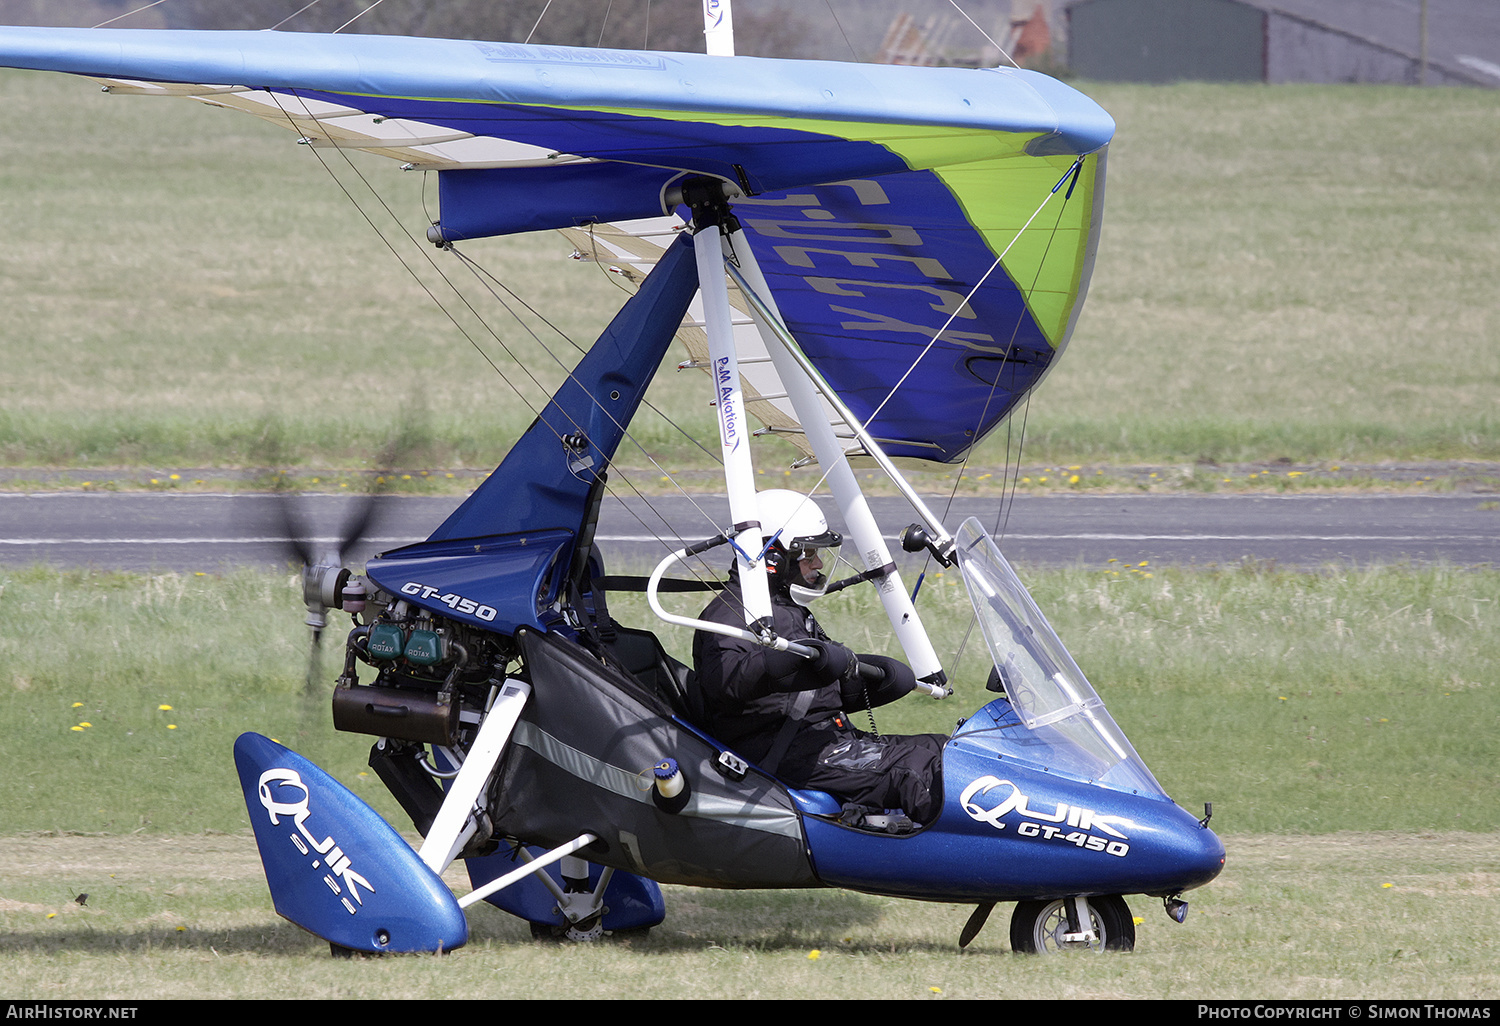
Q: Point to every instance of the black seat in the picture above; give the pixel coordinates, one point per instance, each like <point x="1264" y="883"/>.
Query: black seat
<point x="640" y="653"/>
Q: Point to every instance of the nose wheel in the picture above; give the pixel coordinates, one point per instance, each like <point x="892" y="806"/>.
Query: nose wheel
<point x="1072" y="924"/>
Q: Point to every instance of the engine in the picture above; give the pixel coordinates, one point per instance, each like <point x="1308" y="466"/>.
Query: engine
<point x="434" y="676"/>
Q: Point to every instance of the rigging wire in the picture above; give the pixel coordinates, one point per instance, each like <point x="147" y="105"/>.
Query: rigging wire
<point x="481" y="275"/>
<point x="545" y="8"/>
<point x="840" y="26"/>
<point x="983" y="33"/>
<point x="298" y="11"/>
<point x="1010" y="348"/>
<point x="605" y="22"/>
<point x="1008" y="482"/>
<point x="358" y="16"/>
<point x="1077" y="164"/>
<point x="491" y="281"/>
<point x="137" y="10"/>
<point x="417" y="278"/>
<point x="474" y="269"/>
<point x="479" y="349"/>
<point x="666" y="544"/>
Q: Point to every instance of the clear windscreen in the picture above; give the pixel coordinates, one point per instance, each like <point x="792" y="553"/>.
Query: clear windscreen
<point x="1059" y="719"/>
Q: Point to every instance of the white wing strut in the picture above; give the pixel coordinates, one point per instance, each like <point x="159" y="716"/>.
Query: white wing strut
<point x="841" y="479"/>
<point x="454" y="822"/>
<point x="734" y="434"/>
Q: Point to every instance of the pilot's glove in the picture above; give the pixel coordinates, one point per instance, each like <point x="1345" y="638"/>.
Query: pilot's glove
<point x="865" y="692"/>
<point x="833" y="661"/>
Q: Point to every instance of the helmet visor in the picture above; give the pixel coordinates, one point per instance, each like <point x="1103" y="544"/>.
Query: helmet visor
<point x="810" y="557"/>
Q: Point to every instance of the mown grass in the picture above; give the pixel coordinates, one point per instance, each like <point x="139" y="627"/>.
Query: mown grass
<point x="1282" y="270"/>
<point x="1362" y="916"/>
<point x="1294" y="702"/>
<point x="1342" y="723"/>
<point x="1297" y="272"/>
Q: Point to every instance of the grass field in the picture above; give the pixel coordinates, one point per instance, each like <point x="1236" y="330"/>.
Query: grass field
<point x="1343" y="725"/>
<point x="1285" y="272"/>
<point x="1351" y="916"/>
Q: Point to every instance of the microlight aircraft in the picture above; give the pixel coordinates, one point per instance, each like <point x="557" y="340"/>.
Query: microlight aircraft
<point x="876" y="262"/>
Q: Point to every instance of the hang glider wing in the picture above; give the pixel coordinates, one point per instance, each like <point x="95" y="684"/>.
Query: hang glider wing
<point x="932" y="228"/>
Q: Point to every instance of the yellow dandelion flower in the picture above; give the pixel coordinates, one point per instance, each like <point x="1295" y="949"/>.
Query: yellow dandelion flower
<point x="75" y="728"/>
<point x="85" y="723"/>
<point x="171" y="726"/>
<point x="1073" y="479"/>
<point x="164" y="708"/>
<point x="77" y="705"/>
<point x="1387" y="885"/>
<point x="814" y="955"/>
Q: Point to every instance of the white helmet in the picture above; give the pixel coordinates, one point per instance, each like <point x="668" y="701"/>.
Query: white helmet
<point x="793" y="528"/>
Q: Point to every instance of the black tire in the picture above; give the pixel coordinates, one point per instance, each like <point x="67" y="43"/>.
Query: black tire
<point x="1035" y="926"/>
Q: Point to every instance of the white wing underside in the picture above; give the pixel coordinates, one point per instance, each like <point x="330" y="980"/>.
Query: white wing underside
<point x="318" y="123"/>
<point x="629" y="249"/>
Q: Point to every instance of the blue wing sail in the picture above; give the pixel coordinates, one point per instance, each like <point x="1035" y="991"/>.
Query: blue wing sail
<point x="904" y="215"/>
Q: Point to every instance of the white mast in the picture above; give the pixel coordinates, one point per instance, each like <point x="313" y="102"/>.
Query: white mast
<point x="718" y="27"/>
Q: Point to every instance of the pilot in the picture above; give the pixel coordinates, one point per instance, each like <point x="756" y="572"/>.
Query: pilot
<point x="788" y="713"/>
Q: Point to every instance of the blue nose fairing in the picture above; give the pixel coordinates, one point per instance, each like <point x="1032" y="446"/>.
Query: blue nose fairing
<point x="1016" y="832"/>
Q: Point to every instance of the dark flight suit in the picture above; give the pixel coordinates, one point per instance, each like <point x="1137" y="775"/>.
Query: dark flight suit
<point x="775" y="710"/>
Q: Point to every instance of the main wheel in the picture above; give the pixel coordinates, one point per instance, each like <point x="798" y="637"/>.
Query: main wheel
<point x="1038" y="927"/>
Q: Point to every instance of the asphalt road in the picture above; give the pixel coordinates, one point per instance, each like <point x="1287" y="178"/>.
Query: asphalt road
<point x="167" y="531"/>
